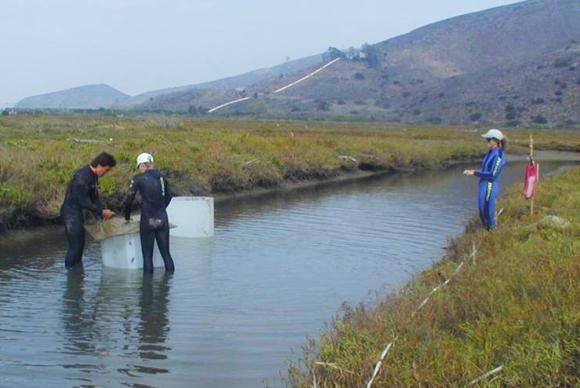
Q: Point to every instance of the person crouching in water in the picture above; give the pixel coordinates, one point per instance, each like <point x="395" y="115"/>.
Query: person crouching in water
<point x="491" y="168"/>
<point x="154" y="226"/>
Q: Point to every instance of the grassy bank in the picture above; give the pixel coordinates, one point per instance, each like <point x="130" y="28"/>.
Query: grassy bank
<point x="516" y="307"/>
<point x="39" y="153"/>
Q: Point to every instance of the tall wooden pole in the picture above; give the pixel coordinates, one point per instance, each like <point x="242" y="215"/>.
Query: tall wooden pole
<point x="531" y="159"/>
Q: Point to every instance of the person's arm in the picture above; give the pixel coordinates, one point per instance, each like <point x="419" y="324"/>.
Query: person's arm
<point x="490" y="170"/>
<point x="81" y="189"/>
<point x="168" y="194"/>
<point x="96" y="199"/>
<point x="133" y="188"/>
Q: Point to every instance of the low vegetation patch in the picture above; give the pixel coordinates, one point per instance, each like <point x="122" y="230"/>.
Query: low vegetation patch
<point x="39" y="153"/>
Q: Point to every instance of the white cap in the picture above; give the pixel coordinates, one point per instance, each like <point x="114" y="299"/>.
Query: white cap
<point x="144" y="158"/>
<point x="493" y="134"/>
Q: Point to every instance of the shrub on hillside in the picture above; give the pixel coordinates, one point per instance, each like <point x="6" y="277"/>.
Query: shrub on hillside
<point x="475" y="116"/>
<point x="563" y="62"/>
<point x="322" y="105"/>
<point x="538" y="101"/>
<point x="539" y="119"/>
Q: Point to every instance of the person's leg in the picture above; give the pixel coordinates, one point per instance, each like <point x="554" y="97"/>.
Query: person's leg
<point x="481" y="203"/>
<point x="75" y="235"/>
<point x="162" y="238"/>
<point x="491" y="206"/>
<point x="147" y="244"/>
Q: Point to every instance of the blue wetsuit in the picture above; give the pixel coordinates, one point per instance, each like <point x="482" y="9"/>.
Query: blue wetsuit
<point x="489" y="174"/>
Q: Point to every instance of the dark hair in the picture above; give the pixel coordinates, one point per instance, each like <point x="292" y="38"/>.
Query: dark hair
<point x="503" y="143"/>
<point x="104" y="159"/>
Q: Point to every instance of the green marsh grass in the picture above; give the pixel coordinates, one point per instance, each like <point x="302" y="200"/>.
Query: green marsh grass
<point x="39" y="153"/>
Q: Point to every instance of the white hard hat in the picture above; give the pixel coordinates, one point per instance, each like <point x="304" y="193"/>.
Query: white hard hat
<point x="493" y="134"/>
<point x="144" y="158"/>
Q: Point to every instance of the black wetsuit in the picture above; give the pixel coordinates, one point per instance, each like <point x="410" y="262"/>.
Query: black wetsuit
<point x="156" y="196"/>
<point x="81" y="194"/>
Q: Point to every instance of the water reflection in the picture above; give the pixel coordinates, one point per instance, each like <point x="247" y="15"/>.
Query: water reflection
<point x="154" y="325"/>
<point x="128" y="314"/>
<point x="77" y="314"/>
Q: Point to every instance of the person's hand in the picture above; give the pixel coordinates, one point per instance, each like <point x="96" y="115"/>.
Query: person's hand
<point x="108" y="214"/>
<point x="469" y="172"/>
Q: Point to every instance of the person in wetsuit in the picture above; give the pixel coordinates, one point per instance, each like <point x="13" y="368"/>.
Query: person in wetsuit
<point x="82" y="194"/>
<point x="492" y="166"/>
<point x="154" y="225"/>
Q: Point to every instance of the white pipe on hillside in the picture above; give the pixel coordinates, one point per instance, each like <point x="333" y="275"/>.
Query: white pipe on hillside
<point x="279" y="90"/>
<point x="306" y="76"/>
<point x="227" y="104"/>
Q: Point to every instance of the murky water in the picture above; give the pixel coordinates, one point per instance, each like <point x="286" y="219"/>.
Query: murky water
<point x="240" y="305"/>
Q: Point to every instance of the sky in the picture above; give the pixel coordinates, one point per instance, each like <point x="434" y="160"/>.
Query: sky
<point x="142" y="45"/>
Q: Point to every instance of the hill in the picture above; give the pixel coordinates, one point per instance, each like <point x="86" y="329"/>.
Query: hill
<point x="235" y="82"/>
<point x="104" y="96"/>
<point x="514" y="65"/>
<point x="83" y="97"/>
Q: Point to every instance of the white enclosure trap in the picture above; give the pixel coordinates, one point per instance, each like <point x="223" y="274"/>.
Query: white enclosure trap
<point x="190" y="217"/>
<point x="193" y="217"/>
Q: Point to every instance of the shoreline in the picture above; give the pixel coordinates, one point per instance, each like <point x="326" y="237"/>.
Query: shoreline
<point x="226" y="159"/>
<point x="342" y="177"/>
<point x="286" y="186"/>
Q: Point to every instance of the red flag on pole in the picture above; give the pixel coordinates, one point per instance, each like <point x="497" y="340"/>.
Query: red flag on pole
<point x="531" y="179"/>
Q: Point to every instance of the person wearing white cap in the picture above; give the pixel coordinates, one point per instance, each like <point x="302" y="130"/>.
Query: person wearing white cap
<point x="492" y="166"/>
<point x="154" y="226"/>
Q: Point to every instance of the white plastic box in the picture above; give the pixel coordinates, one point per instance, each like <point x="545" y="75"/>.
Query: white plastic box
<point x="193" y="218"/>
<point x="125" y="252"/>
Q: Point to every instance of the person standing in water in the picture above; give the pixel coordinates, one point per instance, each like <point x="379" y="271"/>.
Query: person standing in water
<point x="491" y="168"/>
<point x="82" y="194"/>
<point x="154" y="226"/>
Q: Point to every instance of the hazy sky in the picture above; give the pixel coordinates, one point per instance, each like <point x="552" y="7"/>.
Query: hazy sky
<point x="141" y="45"/>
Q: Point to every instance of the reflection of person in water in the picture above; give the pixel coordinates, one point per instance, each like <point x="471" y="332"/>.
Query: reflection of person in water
<point x="78" y="327"/>
<point x="125" y="304"/>
<point x="154" y="324"/>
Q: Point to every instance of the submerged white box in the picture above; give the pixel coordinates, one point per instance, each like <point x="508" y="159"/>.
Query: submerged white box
<point x="193" y="217"/>
<point x="125" y="252"/>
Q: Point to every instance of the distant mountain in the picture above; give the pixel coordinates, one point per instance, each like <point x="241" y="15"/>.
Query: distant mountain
<point x="511" y="65"/>
<point x="83" y="97"/>
<point x="104" y="96"/>
<point x="235" y="82"/>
